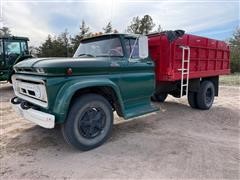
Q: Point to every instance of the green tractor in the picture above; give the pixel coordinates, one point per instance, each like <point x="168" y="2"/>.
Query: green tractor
<point x="12" y="50"/>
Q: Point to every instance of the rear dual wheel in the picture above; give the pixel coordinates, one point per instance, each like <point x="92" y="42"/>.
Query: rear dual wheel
<point x="192" y="99"/>
<point x="89" y="122"/>
<point x="203" y="99"/>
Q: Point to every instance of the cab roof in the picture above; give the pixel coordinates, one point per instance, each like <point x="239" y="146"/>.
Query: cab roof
<point x="15" y="38"/>
<point x="110" y="35"/>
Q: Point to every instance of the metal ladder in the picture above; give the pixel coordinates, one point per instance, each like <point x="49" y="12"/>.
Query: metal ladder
<point x="185" y="70"/>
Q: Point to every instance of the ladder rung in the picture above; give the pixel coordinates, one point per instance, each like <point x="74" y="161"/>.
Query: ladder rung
<point x="186" y="61"/>
<point x="185" y="73"/>
<point x="182" y="69"/>
<point x="185" y="47"/>
<point x="184" y="84"/>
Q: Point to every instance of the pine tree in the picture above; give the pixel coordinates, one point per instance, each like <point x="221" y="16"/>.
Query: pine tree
<point x="141" y="26"/>
<point x="146" y="24"/>
<point x="64" y="37"/>
<point x="45" y="49"/>
<point x="57" y="46"/>
<point x="84" y="31"/>
<point x="5" y="31"/>
<point x="108" y="28"/>
<point x="159" y="29"/>
<point x="135" y="26"/>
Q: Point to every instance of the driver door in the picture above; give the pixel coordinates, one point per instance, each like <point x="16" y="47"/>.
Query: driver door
<point x="137" y="82"/>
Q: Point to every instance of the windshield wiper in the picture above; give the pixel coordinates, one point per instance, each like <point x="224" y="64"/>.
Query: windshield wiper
<point x="90" y="55"/>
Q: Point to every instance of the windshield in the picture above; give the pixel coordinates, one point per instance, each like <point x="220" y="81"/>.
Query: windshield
<point x="100" y="48"/>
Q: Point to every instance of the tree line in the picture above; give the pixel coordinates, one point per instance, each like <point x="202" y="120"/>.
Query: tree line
<point x="64" y="45"/>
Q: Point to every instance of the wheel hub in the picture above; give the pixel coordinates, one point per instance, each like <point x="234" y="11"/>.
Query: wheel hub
<point x="92" y="122"/>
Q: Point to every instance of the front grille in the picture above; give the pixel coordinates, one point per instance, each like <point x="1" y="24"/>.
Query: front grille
<point x="30" y="89"/>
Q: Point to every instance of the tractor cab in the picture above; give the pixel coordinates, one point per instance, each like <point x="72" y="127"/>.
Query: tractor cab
<point x="12" y="50"/>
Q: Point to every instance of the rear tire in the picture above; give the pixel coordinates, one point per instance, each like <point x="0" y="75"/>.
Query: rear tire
<point x="205" y="96"/>
<point x="192" y="99"/>
<point x="89" y="122"/>
<point x="161" y="97"/>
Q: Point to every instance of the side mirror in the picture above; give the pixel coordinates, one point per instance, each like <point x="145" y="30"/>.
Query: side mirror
<point x="143" y="47"/>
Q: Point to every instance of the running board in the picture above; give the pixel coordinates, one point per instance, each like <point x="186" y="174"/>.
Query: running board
<point x="139" y="111"/>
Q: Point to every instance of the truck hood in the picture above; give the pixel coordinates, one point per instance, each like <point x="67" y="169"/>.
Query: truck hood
<point x="59" y="66"/>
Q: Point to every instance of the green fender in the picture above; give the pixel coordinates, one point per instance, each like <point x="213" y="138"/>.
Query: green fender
<point x="67" y="91"/>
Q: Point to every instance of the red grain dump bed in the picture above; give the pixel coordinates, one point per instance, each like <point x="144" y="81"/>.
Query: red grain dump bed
<point x="208" y="57"/>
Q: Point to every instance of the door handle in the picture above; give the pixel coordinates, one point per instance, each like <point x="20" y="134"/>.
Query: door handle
<point x="149" y="62"/>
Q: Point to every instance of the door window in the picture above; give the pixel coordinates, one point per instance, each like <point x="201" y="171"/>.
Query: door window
<point x="12" y="48"/>
<point x="130" y="48"/>
<point x="12" y="51"/>
<point x="24" y="48"/>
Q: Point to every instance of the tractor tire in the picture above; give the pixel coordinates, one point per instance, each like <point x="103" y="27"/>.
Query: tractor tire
<point x="89" y="122"/>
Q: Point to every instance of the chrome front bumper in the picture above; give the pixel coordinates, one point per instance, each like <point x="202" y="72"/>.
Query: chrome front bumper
<point x="41" y="118"/>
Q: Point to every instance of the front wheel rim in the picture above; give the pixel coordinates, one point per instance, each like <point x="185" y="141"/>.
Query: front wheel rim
<point x="92" y="122"/>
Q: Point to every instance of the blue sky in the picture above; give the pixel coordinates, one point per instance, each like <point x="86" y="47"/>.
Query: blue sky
<point x="38" y="18"/>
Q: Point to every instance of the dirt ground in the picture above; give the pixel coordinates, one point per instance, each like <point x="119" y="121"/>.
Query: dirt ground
<point x="176" y="142"/>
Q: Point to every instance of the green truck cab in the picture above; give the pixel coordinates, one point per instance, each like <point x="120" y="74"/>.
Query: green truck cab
<point x="12" y="50"/>
<point x="108" y="73"/>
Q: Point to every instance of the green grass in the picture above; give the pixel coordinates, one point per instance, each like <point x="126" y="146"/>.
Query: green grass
<point x="231" y="80"/>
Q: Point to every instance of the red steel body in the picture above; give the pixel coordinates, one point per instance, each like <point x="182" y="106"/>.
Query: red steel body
<point x="208" y="57"/>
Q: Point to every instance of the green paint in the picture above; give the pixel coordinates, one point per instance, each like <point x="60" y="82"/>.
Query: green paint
<point x="132" y="82"/>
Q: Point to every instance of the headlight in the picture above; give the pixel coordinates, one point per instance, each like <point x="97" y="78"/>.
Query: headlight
<point x="43" y="94"/>
<point x="40" y="70"/>
<point x="39" y="92"/>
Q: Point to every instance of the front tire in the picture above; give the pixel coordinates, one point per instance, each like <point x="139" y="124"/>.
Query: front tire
<point x="89" y="122"/>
